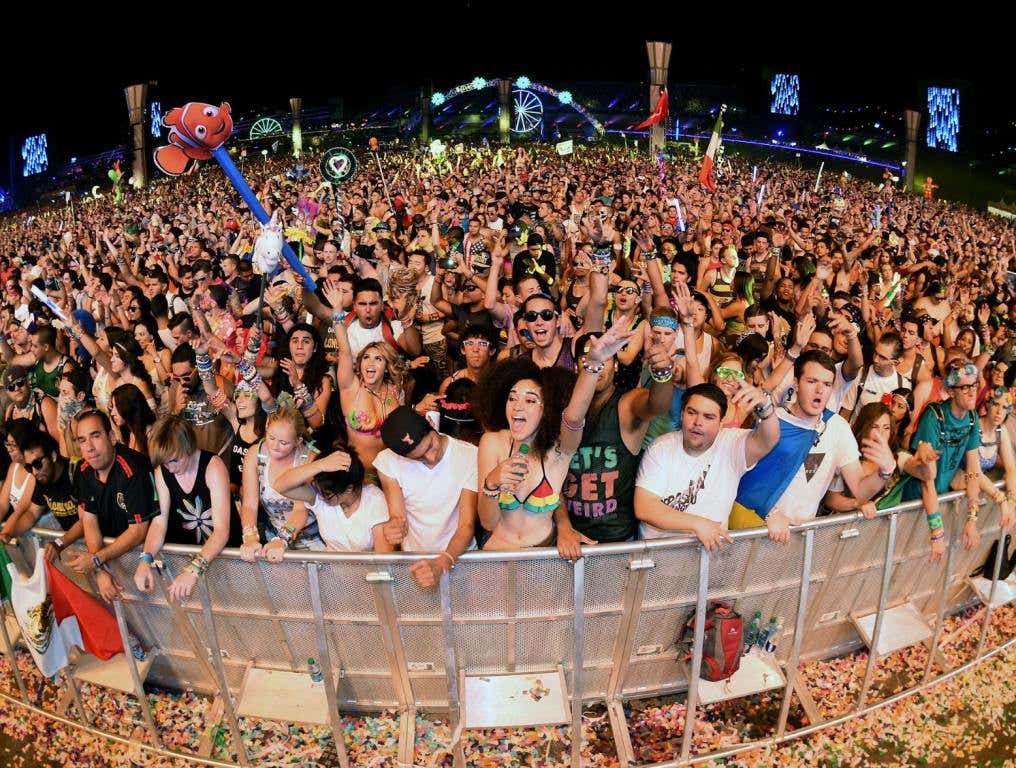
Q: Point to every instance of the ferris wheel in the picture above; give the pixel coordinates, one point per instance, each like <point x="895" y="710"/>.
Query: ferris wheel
<point x="265" y="126"/>
<point x="527" y="110"/>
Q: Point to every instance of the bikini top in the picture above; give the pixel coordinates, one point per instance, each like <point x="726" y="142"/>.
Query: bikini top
<point x="361" y="420"/>
<point x="542" y="499"/>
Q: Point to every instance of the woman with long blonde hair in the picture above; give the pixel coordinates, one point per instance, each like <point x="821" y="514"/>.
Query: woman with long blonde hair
<point x="370" y="388"/>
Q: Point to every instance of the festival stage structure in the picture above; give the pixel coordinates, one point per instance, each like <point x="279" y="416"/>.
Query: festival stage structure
<point x="526" y="638"/>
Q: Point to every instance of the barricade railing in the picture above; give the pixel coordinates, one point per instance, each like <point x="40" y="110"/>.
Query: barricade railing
<point x="602" y="630"/>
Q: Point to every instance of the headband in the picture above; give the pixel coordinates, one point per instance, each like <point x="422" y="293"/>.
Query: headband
<point x="663" y="321"/>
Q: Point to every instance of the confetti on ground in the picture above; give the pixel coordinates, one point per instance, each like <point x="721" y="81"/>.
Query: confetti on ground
<point x="969" y="720"/>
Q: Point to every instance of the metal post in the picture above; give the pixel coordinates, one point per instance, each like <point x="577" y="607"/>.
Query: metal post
<point x="181" y="620"/>
<point x="295" y="105"/>
<point x="220" y="672"/>
<point x="326" y="664"/>
<point x="132" y="665"/>
<point x="504" y="112"/>
<point x="259" y="567"/>
<point x="659" y="67"/>
<point x="954" y="534"/>
<point x="9" y="650"/>
<point x="912" y="120"/>
<point x="887" y="572"/>
<point x="578" y="632"/>
<point x="426" y="93"/>
<point x="999" y="556"/>
<point x="137" y="97"/>
<point x="696" y="658"/>
<point x="634" y="592"/>
<point x="451" y="671"/>
<point x="802" y="610"/>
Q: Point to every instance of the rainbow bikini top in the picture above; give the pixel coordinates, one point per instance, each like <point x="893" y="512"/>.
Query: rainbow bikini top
<point x="542" y="499"/>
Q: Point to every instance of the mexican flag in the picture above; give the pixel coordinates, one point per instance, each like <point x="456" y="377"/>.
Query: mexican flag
<point x="54" y="614"/>
<point x="706" y="172"/>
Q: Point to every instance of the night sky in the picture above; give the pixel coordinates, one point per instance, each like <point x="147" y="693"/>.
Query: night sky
<point x="71" y="85"/>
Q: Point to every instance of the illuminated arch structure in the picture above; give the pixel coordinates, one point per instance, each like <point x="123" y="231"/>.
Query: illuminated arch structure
<point x="527" y="105"/>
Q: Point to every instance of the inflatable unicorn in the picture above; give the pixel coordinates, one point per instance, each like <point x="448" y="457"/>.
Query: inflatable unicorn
<point x="268" y="246"/>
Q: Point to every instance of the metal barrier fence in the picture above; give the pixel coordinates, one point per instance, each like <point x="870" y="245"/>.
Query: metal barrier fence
<point x="603" y="629"/>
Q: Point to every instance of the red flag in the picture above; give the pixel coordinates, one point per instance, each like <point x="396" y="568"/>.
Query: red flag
<point x="659" y="114"/>
<point x="79" y="615"/>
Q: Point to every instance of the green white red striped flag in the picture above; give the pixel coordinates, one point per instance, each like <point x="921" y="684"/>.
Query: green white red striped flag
<point x="706" y="172"/>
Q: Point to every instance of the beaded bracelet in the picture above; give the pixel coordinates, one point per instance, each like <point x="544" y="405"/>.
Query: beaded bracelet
<point x="199" y="565"/>
<point x="273" y="407"/>
<point x="251" y="531"/>
<point x="218" y="400"/>
<point x="572" y="427"/>
<point x="451" y="560"/>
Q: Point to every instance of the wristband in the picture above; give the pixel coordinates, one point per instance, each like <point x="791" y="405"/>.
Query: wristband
<point x="338" y="317"/>
<point x="886" y="475"/>
<point x="791" y="355"/>
<point x="935" y="522"/>
<point x="97" y="563"/>
<point x="492" y="493"/>
<point x="146" y="557"/>
<point x="59" y="543"/>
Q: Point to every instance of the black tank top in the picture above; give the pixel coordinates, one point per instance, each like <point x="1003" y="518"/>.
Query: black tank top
<point x="190" y="514"/>
<point x="236" y="457"/>
<point x="600" y="490"/>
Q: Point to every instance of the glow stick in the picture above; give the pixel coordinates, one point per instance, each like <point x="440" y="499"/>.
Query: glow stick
<point x="818" y="179"/>
<point x="41" y="296"/>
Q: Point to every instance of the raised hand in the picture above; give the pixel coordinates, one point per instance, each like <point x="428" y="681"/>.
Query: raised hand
<point x="805" y="327"/>
<point x="607" y="345"/>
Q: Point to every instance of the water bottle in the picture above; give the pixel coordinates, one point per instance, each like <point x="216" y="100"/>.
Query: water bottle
<point x="137" y="651"/>
<point x="317" y="677"/>
<point x="772" y="632"/>
<point x="751" y="633"/>
<point x="520" y="455"/>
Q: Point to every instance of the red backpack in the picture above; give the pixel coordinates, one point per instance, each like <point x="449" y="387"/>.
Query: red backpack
<point x="723" y="642"/>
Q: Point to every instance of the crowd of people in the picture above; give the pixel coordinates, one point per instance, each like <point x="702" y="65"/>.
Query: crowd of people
<point x="504" y="348"/>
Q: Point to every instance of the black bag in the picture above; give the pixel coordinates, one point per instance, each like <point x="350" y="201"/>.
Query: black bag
<point x="1007" y="565"/>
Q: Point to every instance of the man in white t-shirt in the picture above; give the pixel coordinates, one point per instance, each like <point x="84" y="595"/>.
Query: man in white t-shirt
<point x="832" y="449"/>
<point x="688" y="479"/>
<point x="782" y="381"/>
<point x="881" y="378"/>
<point x="370" y="323"/>
<point x="429" y="481"/>
<point x="349" y="513"/>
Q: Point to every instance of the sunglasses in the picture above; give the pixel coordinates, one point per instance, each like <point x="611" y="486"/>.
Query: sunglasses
<point x="729" y="373"/>
<point x="479" y="343"/>
<point x="544" y="314"/>
<point x="468" y="287"/>
<point x="630" y="291"/>
<point x="37" y="464"/>
<point x="14" y="386"/>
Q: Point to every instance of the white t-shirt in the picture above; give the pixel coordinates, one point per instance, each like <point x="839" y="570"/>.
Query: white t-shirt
<point x="360" y="337"/>
<point x="836" y="449"/>
<point x="871" y="390"/>
<point x="355" y="532"/>
<point x="431" y="494"/>
<point x="785" y="394"/>
<point x="703" y="485"/>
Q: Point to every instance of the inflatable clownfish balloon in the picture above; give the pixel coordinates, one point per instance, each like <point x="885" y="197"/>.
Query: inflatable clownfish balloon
<point x="195" y="131"/>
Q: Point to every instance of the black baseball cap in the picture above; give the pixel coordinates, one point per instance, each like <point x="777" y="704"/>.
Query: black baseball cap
<point x="403" y="430"/>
